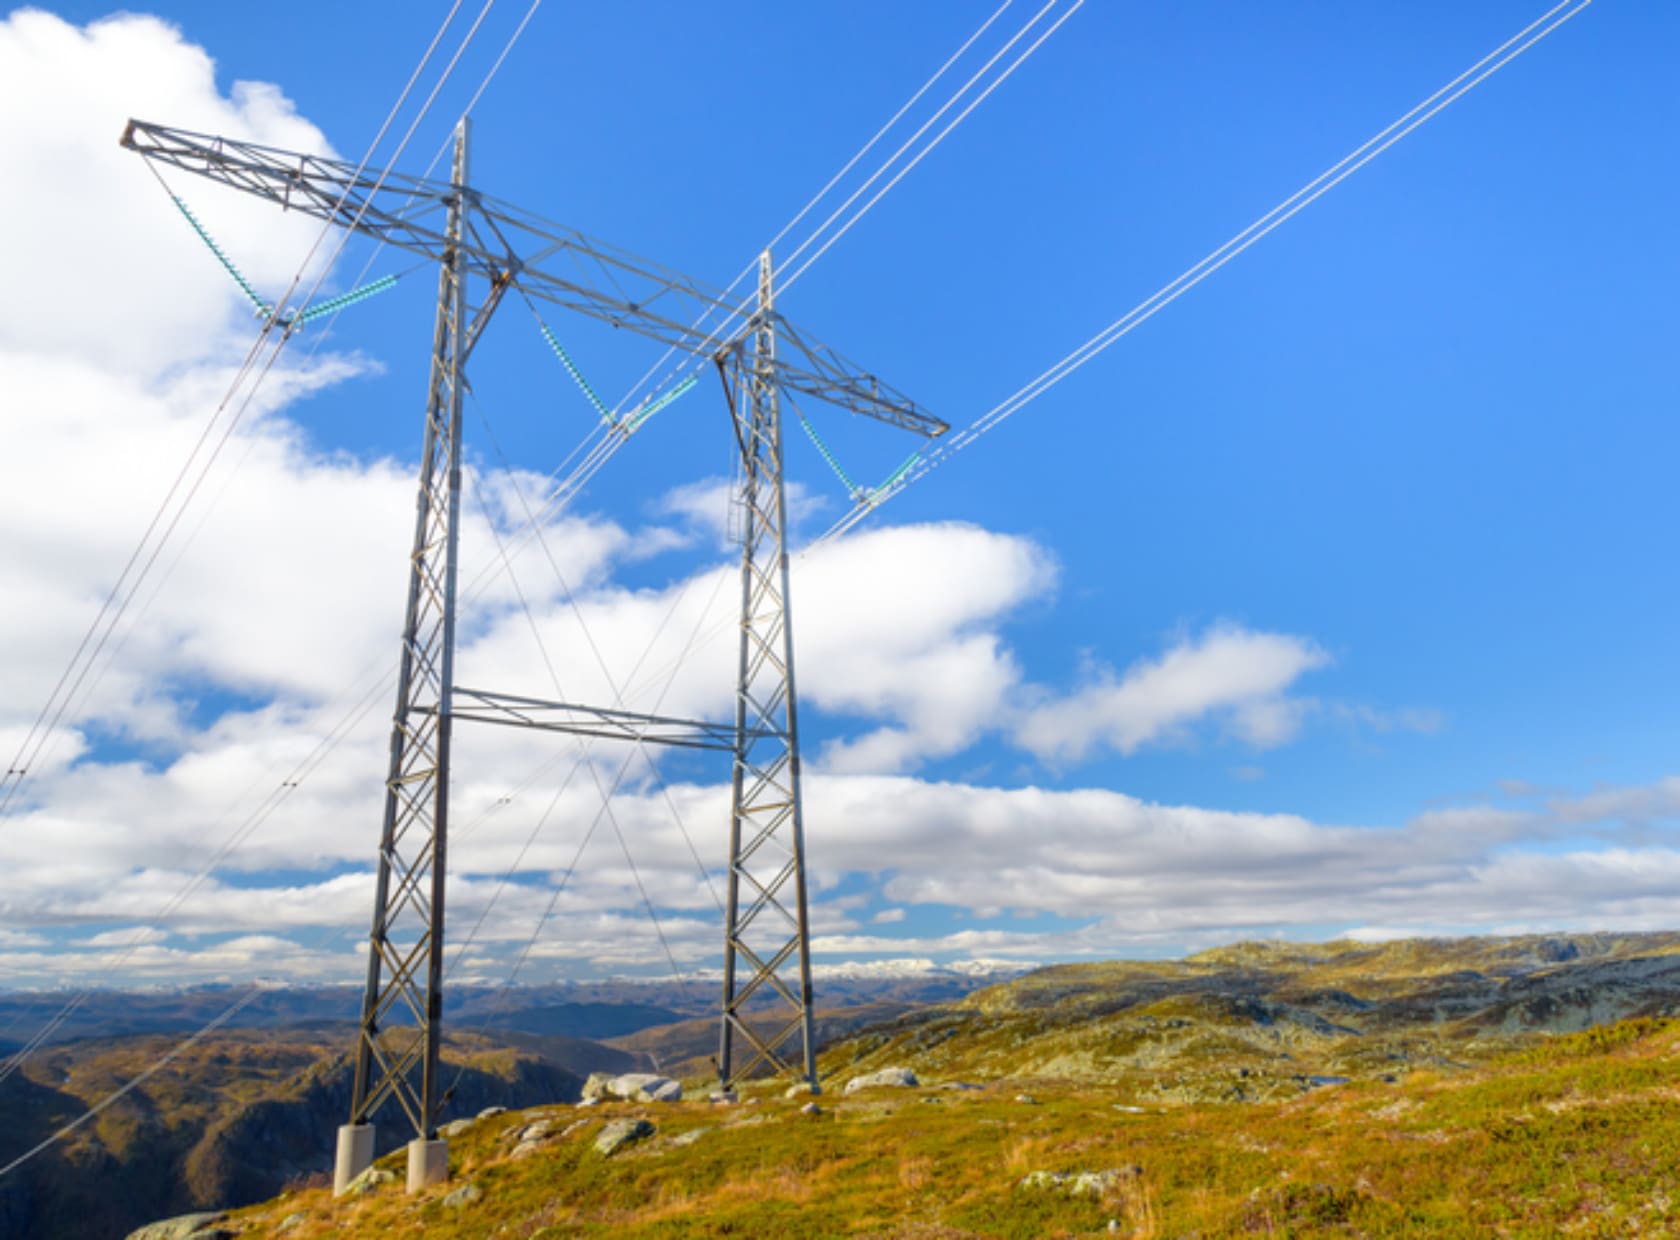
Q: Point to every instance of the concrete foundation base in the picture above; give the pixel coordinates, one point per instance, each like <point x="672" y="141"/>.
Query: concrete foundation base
<point x="355" y="1154"/>
<point x="428" y="1163"/>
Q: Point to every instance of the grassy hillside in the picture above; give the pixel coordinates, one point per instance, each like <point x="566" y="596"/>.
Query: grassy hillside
<point x="1576" y="1135"/>
<point x="1261" y="1020"/>
<point x="1515" y="1086"/>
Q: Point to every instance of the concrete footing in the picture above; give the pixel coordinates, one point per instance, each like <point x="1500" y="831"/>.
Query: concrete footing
<point x="355" y="1154"/>
<point x="428" y="1163"/>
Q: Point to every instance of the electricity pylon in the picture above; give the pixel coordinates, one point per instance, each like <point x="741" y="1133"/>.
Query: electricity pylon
<point x="483" y="249"/>
<point x="766" y="817"/>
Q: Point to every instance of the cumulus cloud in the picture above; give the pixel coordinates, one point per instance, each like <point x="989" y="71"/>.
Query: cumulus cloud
<point x="1236" y="676"/>
<point x="706" y="507"/>
<point x="927" y="654"/>
<point x="117" y="287"/>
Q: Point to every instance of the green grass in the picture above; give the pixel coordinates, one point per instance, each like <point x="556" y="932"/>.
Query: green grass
<point x="1579" y="1136"/>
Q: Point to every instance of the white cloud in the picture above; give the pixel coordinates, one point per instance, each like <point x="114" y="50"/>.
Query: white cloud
<point x="103" y="266"/>
<point x="902" y="623"/>
<point x="1228" y="673"/>
<point x="1117" y="874"/>
<point x="706" y="506"/>
<point x="1656" y="802"/>
<point x="1384" y="934"/>
<point x="128" y="936"/>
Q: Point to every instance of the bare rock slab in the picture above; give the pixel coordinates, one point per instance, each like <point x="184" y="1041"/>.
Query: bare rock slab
<point x="899" y="1078"/>
<point x="620" y="1133"/>
<point x="463" y="1196"/>
<point x="631" y="1087"/>
<point x="178" y="1228"/>
<point x="1081" y="1183"/>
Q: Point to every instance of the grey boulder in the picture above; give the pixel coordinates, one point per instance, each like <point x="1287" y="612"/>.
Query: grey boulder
<point x="898" y="1078"/>
<point x="620" y="1133"/>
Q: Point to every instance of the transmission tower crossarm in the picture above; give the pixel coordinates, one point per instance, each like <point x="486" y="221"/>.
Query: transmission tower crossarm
<point x="483" y="706"/>
<point x="829" y="377"/>
<point x="506" y="246"/>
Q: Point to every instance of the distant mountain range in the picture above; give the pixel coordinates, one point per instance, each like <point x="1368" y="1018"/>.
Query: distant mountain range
<point x="590" y="1009"/>
<point x="245" y="1112"/>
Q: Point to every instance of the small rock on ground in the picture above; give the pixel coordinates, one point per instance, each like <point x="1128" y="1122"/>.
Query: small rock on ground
<point x="1026" y="1100"/>
<point x="1081" y="1183"/>
<point x="810" y="1108"/>
<point x="620" y="1133"/>
<point x="487" y="1112"/>
<point x="463" y="1196"/>
<point x="896" y="1077"/>
<point x="527" y="1139"/>
<point x="455" y="1127"/>
<point x="291" y="1221"/>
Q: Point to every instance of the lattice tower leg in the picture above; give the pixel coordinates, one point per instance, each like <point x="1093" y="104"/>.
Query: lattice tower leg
<point x="766" y="963"/>
<point x="401" y="1022"/>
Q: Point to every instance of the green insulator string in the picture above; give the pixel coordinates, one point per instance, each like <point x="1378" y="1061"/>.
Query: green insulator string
<point x="909" y="463"/>
<point x="333" y="305"/>
<point x="577" y="375"/>
<point x="292" y="319"/>
<point x="653" y="406"/>
<point x="851" y="487"/>
<point x="227" y="263"/>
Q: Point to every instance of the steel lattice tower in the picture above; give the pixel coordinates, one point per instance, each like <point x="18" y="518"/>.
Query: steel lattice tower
<point x="482" y="244"/>
<point x="405" y="956"/>
<point x="769" y="935"/>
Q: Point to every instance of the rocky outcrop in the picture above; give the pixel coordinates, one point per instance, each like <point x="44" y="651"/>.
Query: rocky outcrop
<point x="898" y="1078"/>
<point x="631" y="1087"/>
<point x="1081" y="1183"/>
<point x="463" y="1196"/>
<point x="369" y="1180"/>
<point x="620" y="1133"/>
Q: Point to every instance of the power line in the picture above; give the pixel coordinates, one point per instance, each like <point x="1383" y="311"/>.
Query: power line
<point x="1454" y="90"/>
<point x="879" y="134"/>
<point x="740" y="311"/>
<point x="789" y="281"/>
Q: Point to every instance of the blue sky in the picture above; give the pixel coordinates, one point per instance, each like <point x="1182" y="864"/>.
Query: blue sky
<point x="1357" y="548"/>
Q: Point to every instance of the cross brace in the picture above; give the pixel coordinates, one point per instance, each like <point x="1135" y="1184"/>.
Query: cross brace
<point x="511" y="710"/>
